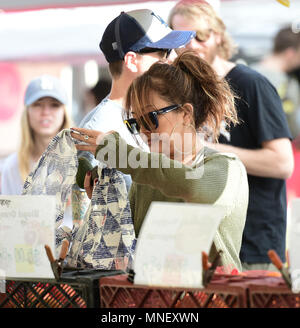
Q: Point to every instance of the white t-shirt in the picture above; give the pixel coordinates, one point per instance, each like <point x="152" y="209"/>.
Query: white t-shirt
<point x="107" y="116"/>
<point x="11" y="181"/>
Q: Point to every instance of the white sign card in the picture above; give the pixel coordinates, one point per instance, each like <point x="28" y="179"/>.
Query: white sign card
<point x="2" y="282"/>
<point x="27" y="223"/>
<point x="294" y="245"/>
<point x="170" y="243"/>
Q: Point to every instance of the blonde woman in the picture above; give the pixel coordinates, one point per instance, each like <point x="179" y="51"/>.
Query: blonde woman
<point x="43" y="117"/>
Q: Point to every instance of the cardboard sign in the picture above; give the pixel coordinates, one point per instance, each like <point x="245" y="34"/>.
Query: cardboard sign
<point x="27" y="223"/>
<point x="170" y="243"/>
<point x="294" y="245"/>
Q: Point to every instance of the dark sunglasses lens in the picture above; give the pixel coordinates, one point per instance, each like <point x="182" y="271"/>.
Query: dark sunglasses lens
<point x="203" y="35"/>
<point x="133" y="126"/>
<point x="153" y="119"/>
<point x="153" y="122"/>
<point x="145" y="124"/>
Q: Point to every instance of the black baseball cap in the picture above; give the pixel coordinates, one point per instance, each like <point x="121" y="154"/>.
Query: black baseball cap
<point x="139" y="29"/>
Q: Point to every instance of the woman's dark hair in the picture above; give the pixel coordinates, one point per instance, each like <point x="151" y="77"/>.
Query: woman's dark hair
<point x="189" y="79"/>
<point x="101" y="90"/>
<point x="284" y="39"/>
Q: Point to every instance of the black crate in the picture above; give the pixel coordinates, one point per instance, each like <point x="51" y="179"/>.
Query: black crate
<point x="75" y="289"/>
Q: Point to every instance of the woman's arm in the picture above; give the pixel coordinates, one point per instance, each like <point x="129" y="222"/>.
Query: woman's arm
<point x="174" y="179"/>
<point x="273" y="160"/>
<point x="204" y="184"/>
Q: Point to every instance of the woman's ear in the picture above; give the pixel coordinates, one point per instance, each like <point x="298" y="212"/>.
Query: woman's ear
<point x="188" y="115"/>
<point x="130" y="61"/>
<point x="218" y="38"/>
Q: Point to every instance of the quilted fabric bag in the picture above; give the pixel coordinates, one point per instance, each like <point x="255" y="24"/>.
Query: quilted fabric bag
<point x="106" y="238"/>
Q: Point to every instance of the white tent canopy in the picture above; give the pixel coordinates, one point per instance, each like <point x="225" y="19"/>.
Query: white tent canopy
<point x="74" y="33"/>
<point x="8" y="5"/>
<point x="57" y="33"/>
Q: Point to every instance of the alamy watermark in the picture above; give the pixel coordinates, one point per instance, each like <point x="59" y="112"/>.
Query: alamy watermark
<point x="181" y="152"/>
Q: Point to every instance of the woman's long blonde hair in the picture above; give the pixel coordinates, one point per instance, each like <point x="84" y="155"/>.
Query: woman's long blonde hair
<point x="26" y="148"/>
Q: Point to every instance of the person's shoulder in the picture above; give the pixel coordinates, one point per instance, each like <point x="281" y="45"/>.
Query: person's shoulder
<point x="247" y="80"/>
<point x="91" y="114"/>
<point x="96" y="114"/>
<point x="10" y="165"/>
<point x="11" y="182"/>
<point x="10" y="161"/>
<point x="244" y="74"/>
<point x="221" y="160"/>
<point x="210" y="153"/>
<point x="228" y="166"/>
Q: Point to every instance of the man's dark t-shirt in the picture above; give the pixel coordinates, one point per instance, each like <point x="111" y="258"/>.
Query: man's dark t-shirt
<point x="261" y="119"/>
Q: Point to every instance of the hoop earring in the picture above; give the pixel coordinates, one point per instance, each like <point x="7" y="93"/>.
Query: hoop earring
<point x="190" y="125"/>
<point x="193" y="150"/>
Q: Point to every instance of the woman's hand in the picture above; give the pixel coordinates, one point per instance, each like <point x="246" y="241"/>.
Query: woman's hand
<point x="92" y="138"/>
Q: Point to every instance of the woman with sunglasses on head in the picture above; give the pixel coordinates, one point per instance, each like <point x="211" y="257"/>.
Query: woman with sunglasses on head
<point x="171" y="105"/>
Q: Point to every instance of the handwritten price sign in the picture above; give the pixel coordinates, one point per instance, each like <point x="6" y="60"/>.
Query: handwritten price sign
<point x="27" y="223"/>
<point x="24" y="259"/>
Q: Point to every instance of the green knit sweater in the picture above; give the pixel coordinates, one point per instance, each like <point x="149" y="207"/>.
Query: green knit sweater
<point x="219" y="179"/>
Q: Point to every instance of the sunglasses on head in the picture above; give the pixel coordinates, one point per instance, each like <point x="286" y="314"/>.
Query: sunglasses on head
<point x="203" y="36"/>
<point x="134" y="127"/>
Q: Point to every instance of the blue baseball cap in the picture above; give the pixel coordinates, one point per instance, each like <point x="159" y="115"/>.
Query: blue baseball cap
<point x="139" y="29"/>
<point x="45" y="86"/>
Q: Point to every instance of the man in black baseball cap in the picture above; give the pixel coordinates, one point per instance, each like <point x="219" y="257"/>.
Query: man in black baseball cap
<point x="131" y="43"/>
<point x="137" y="30"/>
